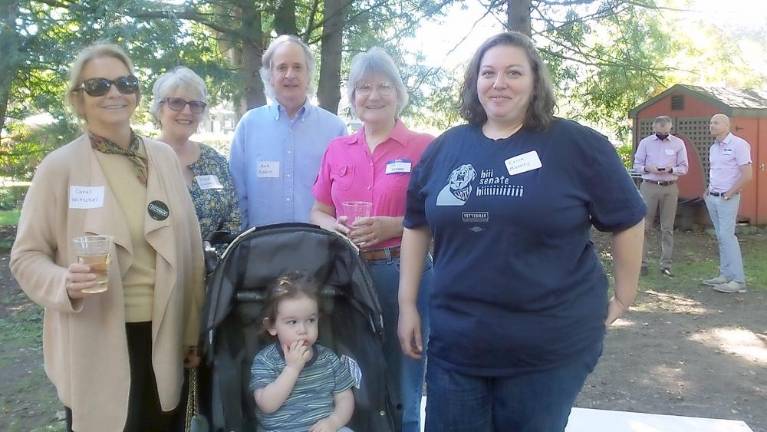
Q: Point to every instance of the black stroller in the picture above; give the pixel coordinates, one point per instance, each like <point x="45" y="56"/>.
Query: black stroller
<point x="350" y="321"/>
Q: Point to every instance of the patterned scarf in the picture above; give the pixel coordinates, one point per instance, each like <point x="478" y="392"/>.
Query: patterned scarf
<point x="133" y="153"/>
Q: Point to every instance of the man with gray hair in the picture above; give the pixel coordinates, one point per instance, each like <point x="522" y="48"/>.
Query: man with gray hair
<point x="730" y="159"/>
<point x="661" y="158"/>
<point x="277" y="148"/>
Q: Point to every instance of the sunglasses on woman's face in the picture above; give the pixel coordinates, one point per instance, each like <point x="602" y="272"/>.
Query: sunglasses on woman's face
<point x="177" y="104"/>
<point x="127" y="84"/>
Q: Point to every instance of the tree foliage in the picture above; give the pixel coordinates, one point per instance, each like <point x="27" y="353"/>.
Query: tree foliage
<point x="606" y="56"/>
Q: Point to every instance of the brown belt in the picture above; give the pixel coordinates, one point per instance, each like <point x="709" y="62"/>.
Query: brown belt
<point x="380" y="254"/>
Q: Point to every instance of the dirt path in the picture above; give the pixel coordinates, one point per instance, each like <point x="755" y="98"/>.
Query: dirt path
<point x="702" y="354"/>
<point x="683" y="350"/>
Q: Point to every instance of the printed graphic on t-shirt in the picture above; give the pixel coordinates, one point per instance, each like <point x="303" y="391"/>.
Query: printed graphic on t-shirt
<point x="492" y="185"/>
<point x="458" y="188"/>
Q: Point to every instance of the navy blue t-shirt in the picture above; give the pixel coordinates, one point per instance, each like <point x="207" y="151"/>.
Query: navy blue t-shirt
<point x="517" y="286"/>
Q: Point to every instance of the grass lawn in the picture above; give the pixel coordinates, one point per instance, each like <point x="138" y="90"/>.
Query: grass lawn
<point x="9" y="217"/>
<point x="28" y="401"/>
<point x="696" y="257"/>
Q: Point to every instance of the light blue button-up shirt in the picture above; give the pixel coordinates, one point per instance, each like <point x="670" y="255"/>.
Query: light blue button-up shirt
<point x="274" y="161"/>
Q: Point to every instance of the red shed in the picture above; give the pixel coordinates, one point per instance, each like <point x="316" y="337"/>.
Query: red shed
<point x="691" y="107"/>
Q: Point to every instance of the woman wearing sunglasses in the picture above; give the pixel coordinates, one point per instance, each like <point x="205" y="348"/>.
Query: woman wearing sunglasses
<point x="115" y="357"/>
<point x="179" y="104"/>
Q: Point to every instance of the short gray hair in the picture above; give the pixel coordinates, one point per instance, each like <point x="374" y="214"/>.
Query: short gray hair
<point x="180" y="77"/>
<point x="266" y="62"/>
<point x="663" y="120"/>
<point x="375" y="61"/>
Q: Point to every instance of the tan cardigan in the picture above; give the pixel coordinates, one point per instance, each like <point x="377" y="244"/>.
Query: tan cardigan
<point x="84" y="341"/>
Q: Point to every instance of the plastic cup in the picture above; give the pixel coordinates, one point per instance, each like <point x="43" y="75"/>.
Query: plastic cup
<point x="354" y="210"/>
<point x="93" y="251"/>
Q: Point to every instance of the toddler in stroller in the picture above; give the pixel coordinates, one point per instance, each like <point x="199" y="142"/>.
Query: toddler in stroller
<point x="299" y="385"/>
<point x="350" y="322"/>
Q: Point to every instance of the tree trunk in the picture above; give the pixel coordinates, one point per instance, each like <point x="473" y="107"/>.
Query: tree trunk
<point x="10" y="58"/>
<point x="285" y="17"/>
<point x="252" y="50"/>
<point x="518" y="15"/>
<point x="328" y="92"/>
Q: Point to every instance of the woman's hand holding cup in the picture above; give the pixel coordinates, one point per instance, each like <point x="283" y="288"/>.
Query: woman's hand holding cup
<point x="79" y="278"/>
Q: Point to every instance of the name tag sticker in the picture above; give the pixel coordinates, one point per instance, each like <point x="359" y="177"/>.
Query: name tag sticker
<point x="670" y="152"/>
<point x="727" y="151"/>
<point x="398" y="166"/>
<point x="525" y="162"/>
<point x="354" y="369"/>
<point x="269" y="169"/>
<point x="86" y="197"/>
<point x="208" y="182"/>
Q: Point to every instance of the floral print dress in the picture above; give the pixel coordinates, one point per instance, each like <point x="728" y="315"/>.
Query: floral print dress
<point x="212" y="190"/>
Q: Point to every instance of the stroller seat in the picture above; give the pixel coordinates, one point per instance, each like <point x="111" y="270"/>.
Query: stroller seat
<point x="350" y="320"/>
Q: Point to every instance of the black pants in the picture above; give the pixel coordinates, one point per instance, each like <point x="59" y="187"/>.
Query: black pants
<point x="144" y="411"/>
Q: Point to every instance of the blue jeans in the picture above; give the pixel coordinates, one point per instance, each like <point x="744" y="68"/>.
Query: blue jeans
<point x="533" y="402"/>
<point x="724" y="214"/>
<point x="406" y="375"/>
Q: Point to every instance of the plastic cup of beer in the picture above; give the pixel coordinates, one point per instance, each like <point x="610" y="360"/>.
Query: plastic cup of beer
<point x="93" y="251"/>
<point x="354" y="210"/>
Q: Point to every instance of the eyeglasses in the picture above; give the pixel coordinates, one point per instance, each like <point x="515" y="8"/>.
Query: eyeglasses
<point x="95" y="87"/>
<point x="383" y="88"/>
<point x="177" y="104"/>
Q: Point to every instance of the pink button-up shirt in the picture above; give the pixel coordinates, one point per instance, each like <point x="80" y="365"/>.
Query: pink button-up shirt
<point x="669" y="152"/>
<point x="726" y="158"/>
<point x="349" y="172"/>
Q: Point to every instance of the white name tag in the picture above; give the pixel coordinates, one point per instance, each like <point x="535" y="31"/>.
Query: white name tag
<point x="268" y="169"/>
<point x="208" y="182"/>
<point x="727" y="151"/>
<point x="670" y="152"/>
<point x="523" y="163"/>
<point x="86" y="197"/>
<point x="398" y="166"/>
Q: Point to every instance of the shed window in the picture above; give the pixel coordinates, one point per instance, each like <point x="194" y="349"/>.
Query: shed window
<point x="677" y="103"/>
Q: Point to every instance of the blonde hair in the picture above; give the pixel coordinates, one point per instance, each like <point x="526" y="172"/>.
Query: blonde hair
<point x="97" y="50"/>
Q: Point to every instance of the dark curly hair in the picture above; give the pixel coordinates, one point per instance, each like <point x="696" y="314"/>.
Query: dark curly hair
<point x="540" y="111"/>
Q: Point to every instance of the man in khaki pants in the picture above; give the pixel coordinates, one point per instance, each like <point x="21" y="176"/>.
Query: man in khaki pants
<point x="661" y="158"/>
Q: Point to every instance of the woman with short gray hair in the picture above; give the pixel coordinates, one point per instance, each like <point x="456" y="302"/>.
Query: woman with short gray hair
<point x="374" y="166"/>
<point x="179" y="104"/>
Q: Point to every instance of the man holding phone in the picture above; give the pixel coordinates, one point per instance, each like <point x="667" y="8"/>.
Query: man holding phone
<point x="661" y="158"/>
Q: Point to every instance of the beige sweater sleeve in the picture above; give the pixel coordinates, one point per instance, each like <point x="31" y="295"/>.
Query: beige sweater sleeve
<point x="37" y="257"/>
